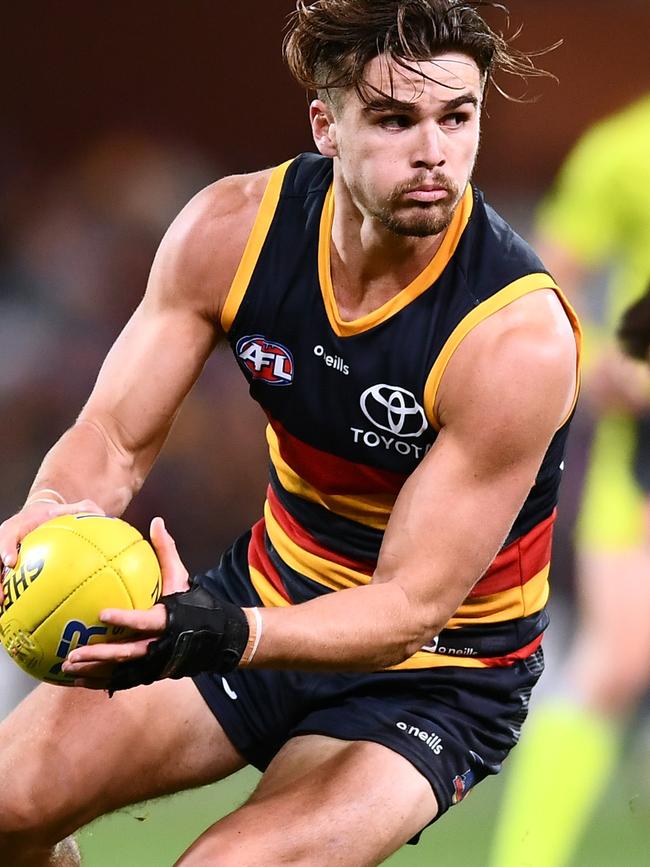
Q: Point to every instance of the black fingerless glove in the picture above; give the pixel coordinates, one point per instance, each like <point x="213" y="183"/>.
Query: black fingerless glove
<point x="203" y="633"/>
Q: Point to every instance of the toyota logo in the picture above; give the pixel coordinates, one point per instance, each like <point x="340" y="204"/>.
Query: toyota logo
<point x="394" y="409"/>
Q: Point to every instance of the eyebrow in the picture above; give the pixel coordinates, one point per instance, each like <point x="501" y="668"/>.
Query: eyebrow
<point x="464" y="99"/>
<point x="390" y="104"/>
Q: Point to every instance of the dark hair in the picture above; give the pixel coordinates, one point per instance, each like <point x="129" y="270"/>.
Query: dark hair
<point x="634" y="330"/>
<point x="330" y="42"/>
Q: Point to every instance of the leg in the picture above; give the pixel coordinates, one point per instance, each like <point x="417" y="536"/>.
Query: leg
<point x="71" y="755"/>
<point x="546" y="809"/>
<point x="322" y="801"/>
<point x="609" y="667"/>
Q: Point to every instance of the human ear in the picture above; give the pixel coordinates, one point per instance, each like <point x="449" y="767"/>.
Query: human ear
<point x="323" y="128"/>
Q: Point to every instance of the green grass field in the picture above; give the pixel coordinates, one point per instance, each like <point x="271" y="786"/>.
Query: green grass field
<point x="155" y="834"/>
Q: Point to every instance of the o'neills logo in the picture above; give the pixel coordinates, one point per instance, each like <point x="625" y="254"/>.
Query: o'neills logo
<point x="431" y="739"/>
<point x="335" y="362"/>
<point x="436" y="647"/>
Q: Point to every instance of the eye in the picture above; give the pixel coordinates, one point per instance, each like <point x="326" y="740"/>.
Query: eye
<point x="456" y="119"/>
<point x="395" y="121"/>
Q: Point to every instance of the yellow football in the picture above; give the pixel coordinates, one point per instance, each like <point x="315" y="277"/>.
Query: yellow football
<point x="68" y="570"/>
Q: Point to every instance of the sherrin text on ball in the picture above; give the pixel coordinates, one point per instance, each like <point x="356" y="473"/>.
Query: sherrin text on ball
<point x="68" y="570"/>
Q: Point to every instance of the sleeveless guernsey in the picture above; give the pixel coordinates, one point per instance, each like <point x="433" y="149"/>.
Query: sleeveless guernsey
<point x="350" y="409"/>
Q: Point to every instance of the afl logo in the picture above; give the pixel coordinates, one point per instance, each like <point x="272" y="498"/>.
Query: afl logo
<point x="394" y="409"/>
<point x="265" y="360"/>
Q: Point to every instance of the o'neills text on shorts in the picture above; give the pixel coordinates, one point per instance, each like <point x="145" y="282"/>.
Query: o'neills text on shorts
<point x="431" y="739"/>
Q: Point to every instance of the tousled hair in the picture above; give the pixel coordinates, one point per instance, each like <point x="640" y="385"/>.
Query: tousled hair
<point x="330" y="42"/>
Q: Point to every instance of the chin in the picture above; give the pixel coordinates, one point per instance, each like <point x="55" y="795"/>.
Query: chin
<point x="419" y="225"/>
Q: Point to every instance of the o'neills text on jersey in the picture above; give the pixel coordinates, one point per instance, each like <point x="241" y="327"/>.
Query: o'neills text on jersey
<point x="333" y="361"/>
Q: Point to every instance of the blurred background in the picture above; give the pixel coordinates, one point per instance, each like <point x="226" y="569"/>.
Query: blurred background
<point x="113" y="116"/>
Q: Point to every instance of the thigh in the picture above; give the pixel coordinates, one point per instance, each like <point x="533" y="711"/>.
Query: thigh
<point x="378" y="757"/>
<point x="323" y="801"/>
<point x="70" y="755"/>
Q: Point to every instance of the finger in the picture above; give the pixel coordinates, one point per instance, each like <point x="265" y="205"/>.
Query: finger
<point x="153" y="620"/>
<point x="93" y="671"/>
<point x="175" y="575"/>
<point x="3" y="572"/>
<point x="31" y="518"/>
<point x="9" y="550"/>
<point x="93" y="654"/>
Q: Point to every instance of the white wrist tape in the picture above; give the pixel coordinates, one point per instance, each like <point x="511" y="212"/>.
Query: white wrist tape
<point x="38" y="497"/>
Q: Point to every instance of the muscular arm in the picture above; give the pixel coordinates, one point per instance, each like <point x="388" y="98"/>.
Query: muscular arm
<point x="107" y="453"/>
<point x="505" y="392"/>
<point x="103" y="459"/>
<point x="507" y="389"/>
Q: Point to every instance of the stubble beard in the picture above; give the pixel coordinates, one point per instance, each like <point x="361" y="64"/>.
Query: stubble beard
<point x="424" y="219"/>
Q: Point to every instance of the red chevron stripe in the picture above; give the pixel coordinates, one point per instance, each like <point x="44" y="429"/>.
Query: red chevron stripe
<point x="259" y="559"/>
<point x="331" y="474"/>
<point x="299" y="536"/>
<point x="519" y="562"/>
<point x="522" y="653"/>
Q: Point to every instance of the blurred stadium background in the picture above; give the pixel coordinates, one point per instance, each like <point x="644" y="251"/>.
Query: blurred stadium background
<point x="113" y="116"/>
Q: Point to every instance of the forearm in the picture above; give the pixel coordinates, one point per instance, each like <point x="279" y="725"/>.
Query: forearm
<point x="359" y="629"/>
<point x="85" y="464"/>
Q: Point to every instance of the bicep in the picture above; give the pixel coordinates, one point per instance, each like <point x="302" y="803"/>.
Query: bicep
<point x="455" y="511"/>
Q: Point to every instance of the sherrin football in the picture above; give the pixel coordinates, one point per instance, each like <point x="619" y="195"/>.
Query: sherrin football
<point x="68" y="570"/>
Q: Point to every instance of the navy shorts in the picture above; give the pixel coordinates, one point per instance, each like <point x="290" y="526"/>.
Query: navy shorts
<point x="455" y="725"/>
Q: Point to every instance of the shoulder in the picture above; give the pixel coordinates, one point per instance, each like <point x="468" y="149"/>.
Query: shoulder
<point x="516" y="367"/>
<point x="496" y="255"/>
<point x="200" y="252"/>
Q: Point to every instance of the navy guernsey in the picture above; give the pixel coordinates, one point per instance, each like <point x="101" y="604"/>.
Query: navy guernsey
<point x="350" y="407"/>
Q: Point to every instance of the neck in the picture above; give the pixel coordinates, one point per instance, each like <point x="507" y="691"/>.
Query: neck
<point x="371" y="264"/>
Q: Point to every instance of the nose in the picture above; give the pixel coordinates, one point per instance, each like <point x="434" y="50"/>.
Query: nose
<point x="429" y="147"/>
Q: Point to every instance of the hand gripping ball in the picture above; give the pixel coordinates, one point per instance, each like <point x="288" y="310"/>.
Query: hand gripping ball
<point x="68" y="570"/>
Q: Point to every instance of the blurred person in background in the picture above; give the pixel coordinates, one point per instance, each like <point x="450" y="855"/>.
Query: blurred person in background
<point x="597" y="216"/>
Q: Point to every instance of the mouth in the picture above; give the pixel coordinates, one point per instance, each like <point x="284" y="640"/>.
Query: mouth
<point x="427" y="193"/>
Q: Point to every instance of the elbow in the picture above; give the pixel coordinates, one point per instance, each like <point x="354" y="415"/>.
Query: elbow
<point x="406" y="648"/>
<point x="425" y="637"/>
<point x="420" y="626"/>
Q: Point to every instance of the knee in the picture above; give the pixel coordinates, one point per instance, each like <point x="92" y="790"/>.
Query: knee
<point x="25" y="821"/>
<point x="619" y="696"/>
<point x="608" y="686"/>
<point x="606" y="682"/>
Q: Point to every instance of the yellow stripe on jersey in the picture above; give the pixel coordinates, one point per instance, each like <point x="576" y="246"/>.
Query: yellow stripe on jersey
<point x="270" y="598"/>
<point x="372" y="510"/>
<point x="332" y="575"/>
<point x="504" y="605"/>
<point x="511" y="292"/>
<point x="254" y="245"/>
<point x="266" y="591"/>
<point x="577" y="330"/>
<point x="422" y="282"/>
<point x="422" y="659"/>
